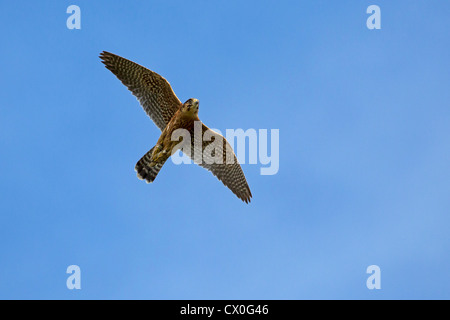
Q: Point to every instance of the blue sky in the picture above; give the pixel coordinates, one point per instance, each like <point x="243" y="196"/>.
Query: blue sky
<point x="364" y="173"/>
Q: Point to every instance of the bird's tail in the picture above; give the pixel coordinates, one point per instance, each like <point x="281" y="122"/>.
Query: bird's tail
<point x="147" y="169"/>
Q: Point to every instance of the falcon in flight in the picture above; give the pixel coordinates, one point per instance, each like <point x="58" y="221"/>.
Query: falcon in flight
<point x="168" y="113"/>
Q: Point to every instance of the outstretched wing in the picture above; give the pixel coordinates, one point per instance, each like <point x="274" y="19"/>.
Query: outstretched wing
<point x="222" y="162"/>
<point x="153" y="91"/>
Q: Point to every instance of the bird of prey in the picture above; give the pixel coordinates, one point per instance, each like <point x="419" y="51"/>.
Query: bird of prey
<point x="168" y="113"/>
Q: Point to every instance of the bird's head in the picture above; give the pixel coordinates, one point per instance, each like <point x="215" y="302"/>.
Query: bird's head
<point x="190" y="106"/>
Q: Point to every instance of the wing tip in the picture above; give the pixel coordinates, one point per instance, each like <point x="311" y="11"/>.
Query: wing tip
<point x="247" y="197"/>
<point x="107" y="59"/>
<point x="104" y="54"/>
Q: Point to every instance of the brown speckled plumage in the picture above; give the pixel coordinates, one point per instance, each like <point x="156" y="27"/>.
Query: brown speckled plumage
<point x="162" y="105"/>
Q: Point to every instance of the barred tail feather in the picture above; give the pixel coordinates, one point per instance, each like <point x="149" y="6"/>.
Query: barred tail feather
<point x="145" y="171"/>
